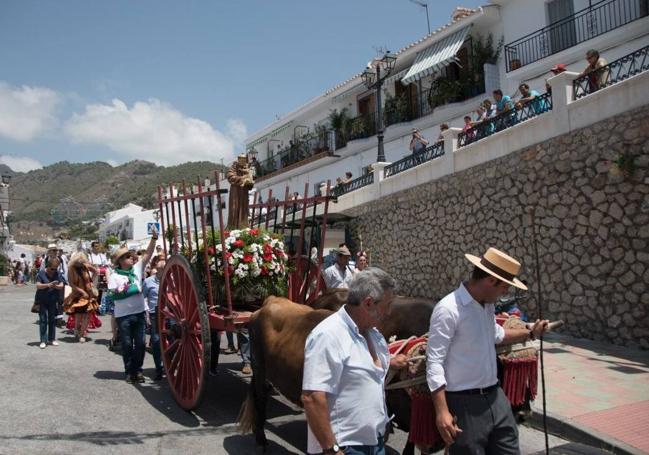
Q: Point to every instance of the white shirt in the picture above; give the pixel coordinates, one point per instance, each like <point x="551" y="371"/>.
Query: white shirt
<point x="337" y="361"/>
<point x="130" y="305"/>
<point x="98" y="258"/>
<point x="334" y="277"/>
<point x="461" y="351"/>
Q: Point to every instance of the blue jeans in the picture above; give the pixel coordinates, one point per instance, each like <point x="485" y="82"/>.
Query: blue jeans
<point x="131" y="330"/>
<point x="243" y="338"/>
<point x="378" y="449"/>
<point x="155" y="342"/>
<point x="47" y="321"/>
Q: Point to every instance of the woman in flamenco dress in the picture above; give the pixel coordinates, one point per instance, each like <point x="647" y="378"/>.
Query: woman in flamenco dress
<point x="82" y="303"/>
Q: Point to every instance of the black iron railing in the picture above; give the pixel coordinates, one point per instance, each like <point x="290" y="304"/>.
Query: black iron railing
<point x="616" y="71"/>
<point x="430" y="153"/>
<point x="355" y="184"/>
<point x="522" y="112"/>
<point x="304" y="147"/>
<point x="597" y="19"/>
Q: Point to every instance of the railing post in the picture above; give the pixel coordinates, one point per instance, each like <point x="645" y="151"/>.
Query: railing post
<point x="379" y="174"/>
<point x="450" y="146"/>
<point x="562" y="95"/>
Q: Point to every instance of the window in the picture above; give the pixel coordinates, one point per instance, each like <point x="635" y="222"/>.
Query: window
<point x="563" y="34"/>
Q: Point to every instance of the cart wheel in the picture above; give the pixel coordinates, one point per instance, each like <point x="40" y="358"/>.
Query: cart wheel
<point x="184" y="332"/>
<point x="305" y="283"/>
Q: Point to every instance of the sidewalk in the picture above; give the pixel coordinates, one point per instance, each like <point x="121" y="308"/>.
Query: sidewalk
<point x="598" y="389"/>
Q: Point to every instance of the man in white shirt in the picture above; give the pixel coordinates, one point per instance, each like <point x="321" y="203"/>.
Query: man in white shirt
<point x="340" y="274"/>
<point x="346" y="360"/>
<point x="473" y="415"/>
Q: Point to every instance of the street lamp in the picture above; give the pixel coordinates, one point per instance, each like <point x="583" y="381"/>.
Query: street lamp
<point x="376" y="72"/>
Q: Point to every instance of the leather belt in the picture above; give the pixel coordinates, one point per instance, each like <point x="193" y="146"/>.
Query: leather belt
<point x="481" y="391"/>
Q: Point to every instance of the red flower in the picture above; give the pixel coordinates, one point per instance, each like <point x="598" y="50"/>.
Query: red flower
<point x="267" y="248"/>
<point x="226" y="234"/>
<point x="247" y="257"/>
<point x="254" y="232"/>
<point x="228" y="255"/>
<point x="268" y="257"/>
<point x="264" y="271"/>
<point x="238" y="243"/>
<point x="211" y="250"/>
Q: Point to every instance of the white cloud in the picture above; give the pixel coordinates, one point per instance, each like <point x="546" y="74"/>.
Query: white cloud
<point x="153" y="131"/>
<point x="20" y="163"/>
<point x="26" y="112"/>
<point x="237" y="131"/>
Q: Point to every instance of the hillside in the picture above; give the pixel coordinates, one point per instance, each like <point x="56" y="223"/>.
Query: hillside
<point x="91" y="189"/>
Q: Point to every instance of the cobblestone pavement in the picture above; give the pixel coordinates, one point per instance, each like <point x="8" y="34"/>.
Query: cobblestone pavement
<point x="72" y="399"/>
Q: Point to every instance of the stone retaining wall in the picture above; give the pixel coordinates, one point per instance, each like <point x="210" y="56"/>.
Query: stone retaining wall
<point x="593" y="228"/>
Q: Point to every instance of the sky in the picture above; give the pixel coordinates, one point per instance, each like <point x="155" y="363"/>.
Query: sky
<point x="172" y="81"/>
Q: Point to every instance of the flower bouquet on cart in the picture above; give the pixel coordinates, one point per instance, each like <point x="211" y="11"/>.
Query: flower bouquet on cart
<point x="256" y="260"/>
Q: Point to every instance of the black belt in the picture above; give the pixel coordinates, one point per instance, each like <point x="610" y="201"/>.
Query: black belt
<point x="482" y="391"/>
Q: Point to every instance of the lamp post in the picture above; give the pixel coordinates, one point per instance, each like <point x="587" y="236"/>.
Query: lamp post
<point x="376" y="72"/>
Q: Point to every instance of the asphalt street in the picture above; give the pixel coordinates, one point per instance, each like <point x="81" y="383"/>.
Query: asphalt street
<point x="72" y="398"/>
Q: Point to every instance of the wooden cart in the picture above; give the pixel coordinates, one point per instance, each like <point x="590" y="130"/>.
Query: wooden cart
<point x="194" y="302"/>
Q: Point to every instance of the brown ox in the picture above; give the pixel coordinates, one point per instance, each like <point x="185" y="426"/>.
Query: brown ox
<point x="278" y="332"/>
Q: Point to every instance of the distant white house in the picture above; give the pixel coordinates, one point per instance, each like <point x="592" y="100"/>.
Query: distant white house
<point x="130" y="223"/>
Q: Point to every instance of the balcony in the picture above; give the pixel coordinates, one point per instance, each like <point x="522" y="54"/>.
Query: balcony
<point x="520" y="113"/>
<point x="617" y="71"/>
<point x="307" y="148"/>
<point x="597" y="19"/>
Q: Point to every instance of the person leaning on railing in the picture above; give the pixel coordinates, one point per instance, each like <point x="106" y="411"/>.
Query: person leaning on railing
<point x="531" y="96"/>
<point x="596" y="71"/>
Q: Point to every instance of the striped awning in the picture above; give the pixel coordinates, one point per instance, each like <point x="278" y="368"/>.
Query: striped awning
<point x="436" y="56"/>
<point x="270" y="135"/>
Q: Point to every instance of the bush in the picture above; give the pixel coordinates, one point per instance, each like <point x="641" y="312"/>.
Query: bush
<point x="4" y="264"/>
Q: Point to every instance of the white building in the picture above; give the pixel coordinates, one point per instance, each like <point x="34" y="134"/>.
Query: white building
<point x="130" y="223"/>
<point x="440" y="79"/>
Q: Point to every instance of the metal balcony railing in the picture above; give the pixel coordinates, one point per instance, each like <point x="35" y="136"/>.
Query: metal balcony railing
<point x="520" y="113"/>
<point x="430" y="153"/>
<point x="304" y="147"/>
<point x="355" y="184"/>
<point x="623" y="68"/>
<point x="597" y="19"/>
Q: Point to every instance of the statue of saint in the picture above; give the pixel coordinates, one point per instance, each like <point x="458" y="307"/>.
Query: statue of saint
<point x="241" y="182"/>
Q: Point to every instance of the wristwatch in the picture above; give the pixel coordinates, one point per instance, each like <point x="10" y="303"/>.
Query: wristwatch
<point x="333" y="449"/>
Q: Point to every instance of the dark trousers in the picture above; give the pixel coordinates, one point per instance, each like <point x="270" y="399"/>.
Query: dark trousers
<point x="487" y="424"/>
<point x="378" y="449"/>
<point x="47" y="321"/>
<point x="131" y="329"/>
<point x="155" y="342"/>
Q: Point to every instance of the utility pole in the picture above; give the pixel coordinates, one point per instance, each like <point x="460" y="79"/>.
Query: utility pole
<point x="423" y="5"/>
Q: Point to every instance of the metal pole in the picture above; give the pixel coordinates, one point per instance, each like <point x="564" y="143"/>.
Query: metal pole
<point x="427" y="17"/>
<point x="380" y="156"/>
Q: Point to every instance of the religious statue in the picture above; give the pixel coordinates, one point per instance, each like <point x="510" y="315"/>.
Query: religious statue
<point x="241" y="182"/>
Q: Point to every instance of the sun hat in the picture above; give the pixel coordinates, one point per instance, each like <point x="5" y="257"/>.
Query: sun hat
<point x="121" y="251"/>
<point x="342" y="251"/>
<point x="500" y="265"/>
<point x="52" y="246"/>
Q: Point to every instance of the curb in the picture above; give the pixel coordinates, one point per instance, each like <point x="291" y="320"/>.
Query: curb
<point x="575" y="432"/>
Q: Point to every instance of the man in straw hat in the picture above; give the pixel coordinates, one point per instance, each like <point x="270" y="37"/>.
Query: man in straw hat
<point x="473" y="415"/>
<point x="340" y="274"/>
<point x="125" y="283"/>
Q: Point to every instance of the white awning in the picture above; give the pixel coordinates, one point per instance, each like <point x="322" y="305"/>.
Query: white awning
<point x="436" y="56"/>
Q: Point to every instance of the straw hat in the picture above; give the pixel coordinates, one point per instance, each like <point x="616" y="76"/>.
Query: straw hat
<point x="52" y="246"/>
<point x="498" y="264"/>
<point x="343" y="251"/>
<point x="121" y="251"/>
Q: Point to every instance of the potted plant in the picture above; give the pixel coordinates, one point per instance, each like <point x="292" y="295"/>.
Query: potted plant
<point x="338" y="121"/>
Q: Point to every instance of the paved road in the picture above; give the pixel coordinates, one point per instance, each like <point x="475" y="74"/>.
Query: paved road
<point x="73" y="399"/>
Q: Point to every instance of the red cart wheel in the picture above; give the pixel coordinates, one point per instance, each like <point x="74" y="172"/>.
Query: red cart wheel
<point x="184" y="332"/>
<point x="305" y="283"/>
